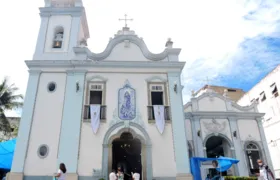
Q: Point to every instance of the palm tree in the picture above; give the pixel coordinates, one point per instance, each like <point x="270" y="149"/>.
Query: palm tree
<point x="9" y="100"/>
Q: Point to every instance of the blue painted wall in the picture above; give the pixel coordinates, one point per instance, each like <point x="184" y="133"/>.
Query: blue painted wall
<point x="26" y="122"/>
<point x="178" y="124"/>
<point x="71" y="121"/>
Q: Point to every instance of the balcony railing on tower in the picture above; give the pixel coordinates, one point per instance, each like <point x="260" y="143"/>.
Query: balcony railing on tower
<point x="87" y="116"/>
<point x="151" y="115"/>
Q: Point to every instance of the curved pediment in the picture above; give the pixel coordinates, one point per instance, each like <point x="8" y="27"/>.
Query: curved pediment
<point x="237" y="107"/>
<point x="118" y="39"/>
<point x="212" y="101"/>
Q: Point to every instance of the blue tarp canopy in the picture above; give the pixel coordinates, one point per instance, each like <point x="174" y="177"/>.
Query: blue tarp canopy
<point x="7" y="153"/>
<point x="224" y="163"/>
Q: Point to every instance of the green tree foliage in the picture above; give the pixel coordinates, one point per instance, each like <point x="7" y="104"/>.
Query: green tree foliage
<point x="9" y="100"/>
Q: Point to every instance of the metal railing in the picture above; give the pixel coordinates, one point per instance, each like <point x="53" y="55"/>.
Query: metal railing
<point x="151" y="115"/>
<point x="103" y="110"/>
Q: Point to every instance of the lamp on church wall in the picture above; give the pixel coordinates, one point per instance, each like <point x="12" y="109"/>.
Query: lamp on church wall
<point x="234" y="134"/>
<point x="77" y="86"/>
<point x="175" y="87"/>
<point x="198" y="133"/>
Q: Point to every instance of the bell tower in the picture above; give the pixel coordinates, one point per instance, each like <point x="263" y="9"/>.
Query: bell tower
<point x="63" y="26"/>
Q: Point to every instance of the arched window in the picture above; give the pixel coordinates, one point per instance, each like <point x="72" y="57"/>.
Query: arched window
<point x="253" y="154"/>
<point x="58" y="37"/>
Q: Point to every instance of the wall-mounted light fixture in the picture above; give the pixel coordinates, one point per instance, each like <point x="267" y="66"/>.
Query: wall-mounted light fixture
<point x="234" y="133"/>
<point x="77" y="86"/>
<point x="198" y="133"/>
<point x="175" y="87"/>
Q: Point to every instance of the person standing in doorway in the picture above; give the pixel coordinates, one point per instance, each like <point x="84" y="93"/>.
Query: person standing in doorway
<point x="120" y="175"/>
<point x="136" y="175"/>
<point x="61" y="172"/>
<point x="112" y="175"/>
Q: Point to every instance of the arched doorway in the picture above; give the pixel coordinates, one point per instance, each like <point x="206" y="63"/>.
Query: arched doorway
<point x="138" y="132"/>
<point x="253" y="154"/>
<point x="215" y="146"/>
<point x="126" y="154"/>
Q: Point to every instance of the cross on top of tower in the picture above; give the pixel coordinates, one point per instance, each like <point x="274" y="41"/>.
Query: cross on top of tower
<point x="125" y="20"/>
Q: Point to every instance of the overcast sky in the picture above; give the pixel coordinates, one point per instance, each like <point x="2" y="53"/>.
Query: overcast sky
<point x="232" y="42"/>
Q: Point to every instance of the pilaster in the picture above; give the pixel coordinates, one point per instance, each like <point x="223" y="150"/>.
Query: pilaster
<point x="178" y="123"/>
<point x="25" y="123"/>
<point x="197" y="139"/>
<point x="239" y="152"/>
<point x="264" y="144"/>
<point x="71" y="120"/>
<point x="41" y="37"/>
<point x="149" y="167"/>
<point x="105" y="157"/>
<point x="74" y="36"/>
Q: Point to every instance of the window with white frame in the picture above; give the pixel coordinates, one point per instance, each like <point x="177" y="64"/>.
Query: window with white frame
<point x="96" y="93"/>
<point x="157" y="94"/>
<point x="274" y="90"/>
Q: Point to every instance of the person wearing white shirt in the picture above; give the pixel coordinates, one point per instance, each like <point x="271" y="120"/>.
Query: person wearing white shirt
<point x="61" y="172"/>
<point x="112" y="175"/>
<point x="136" y="176"/>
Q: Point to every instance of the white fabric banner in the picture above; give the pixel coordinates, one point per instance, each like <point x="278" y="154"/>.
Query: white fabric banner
<point x="159" y="117"/>
<point x="95" y="117"/>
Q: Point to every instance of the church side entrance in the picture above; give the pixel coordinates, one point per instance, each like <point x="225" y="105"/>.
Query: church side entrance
<point x="217" y="146"/>
<point x="126" y="153"/>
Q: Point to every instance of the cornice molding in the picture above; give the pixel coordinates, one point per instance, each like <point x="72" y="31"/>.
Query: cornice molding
<point x="133" y="39"/>
<point x="97" y="77"/>
<point x="85" y="64"/>
<point x="48" y="11"/>
<point x="34" y="71"/>
<point x="155" y="78"/>
<point x="220" y="115"/>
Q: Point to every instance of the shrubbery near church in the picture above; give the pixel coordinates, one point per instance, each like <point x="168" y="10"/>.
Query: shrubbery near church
<point x="239" y="178"/>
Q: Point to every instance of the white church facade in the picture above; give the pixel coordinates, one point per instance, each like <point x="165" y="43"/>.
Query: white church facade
<point x="121" y="107"/>
<point x="67" y="83"/>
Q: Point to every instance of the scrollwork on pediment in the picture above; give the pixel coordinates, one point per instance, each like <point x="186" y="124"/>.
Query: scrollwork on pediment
<point x="137" y="41"/>
<point x="250" y="138"/>
<point x="214" y="126"/>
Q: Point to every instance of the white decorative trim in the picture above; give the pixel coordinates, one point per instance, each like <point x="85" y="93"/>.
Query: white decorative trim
<point x="138" y="120"/>
<point x="86" y="64"/>
<point x="155" y="78"/>
<point x="214" y="126"/>
<point x="250" y="138"/>
<point x="132" y="39"/>
<point x="243" y="108"/>
<point x="97" y="78"/>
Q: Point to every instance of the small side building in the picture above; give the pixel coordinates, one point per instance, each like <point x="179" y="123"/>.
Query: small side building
<point x="217" y="126"/>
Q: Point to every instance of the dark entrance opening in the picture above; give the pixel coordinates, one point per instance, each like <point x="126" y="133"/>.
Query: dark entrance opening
<point x="127" y="155"/>
<point x="216" y="146"/>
